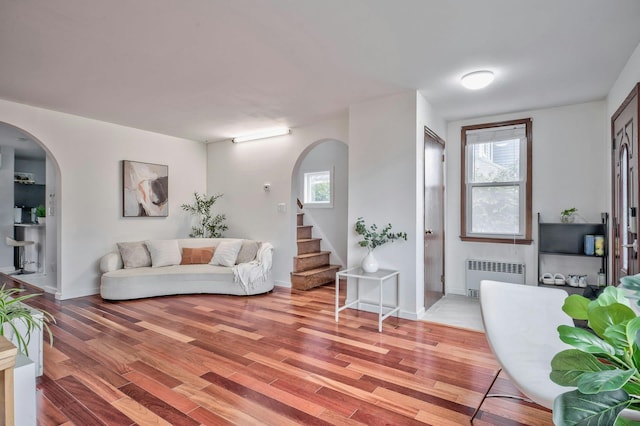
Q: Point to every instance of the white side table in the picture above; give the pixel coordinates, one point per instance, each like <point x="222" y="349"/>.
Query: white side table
<point x="380" y="276"/>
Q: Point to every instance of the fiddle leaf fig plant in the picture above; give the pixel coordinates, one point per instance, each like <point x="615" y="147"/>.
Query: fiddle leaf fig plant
<point x="603" y="365"/>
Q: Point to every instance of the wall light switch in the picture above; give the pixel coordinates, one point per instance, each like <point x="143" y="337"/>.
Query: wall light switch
<point x="282" y="207"/>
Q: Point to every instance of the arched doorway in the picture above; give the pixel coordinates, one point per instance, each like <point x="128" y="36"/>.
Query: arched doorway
<point x="325" y="219"/>
<point x="25" y="159"/>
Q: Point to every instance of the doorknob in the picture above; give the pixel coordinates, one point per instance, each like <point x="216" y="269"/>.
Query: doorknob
<point x="634" y="245"/>
<point x="428" y="231"/>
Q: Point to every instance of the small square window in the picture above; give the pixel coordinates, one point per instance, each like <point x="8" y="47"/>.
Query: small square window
<point x="318" y="189"/>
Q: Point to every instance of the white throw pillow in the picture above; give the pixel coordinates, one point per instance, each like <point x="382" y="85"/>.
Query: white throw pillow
<point x="164" y="252"/>
<point x="226" y="253"/>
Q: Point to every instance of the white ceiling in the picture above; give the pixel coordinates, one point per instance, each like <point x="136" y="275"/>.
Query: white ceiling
<point x="212" y="69"/>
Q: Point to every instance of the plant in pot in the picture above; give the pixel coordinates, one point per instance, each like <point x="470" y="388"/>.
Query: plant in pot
<point x="41" y="213"/>
<point x="372" y="238"/>
<point x="209" y="225"/>
<point x="18" y="320"/>
<point x="568" y="215"/>
<point x="603" y="365"/>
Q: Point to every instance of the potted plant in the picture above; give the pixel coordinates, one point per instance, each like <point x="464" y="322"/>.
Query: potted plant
<point x="568" y="215"/>
<point x="41" y="213"/>
<point x="372" y="238"/>
<point x="604" y="365"/>
<point x="18" y="320"/>
<point x="209" y="226"/>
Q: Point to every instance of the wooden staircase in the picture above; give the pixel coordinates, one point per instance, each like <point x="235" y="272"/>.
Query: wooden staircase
<point x="311" y="267"/>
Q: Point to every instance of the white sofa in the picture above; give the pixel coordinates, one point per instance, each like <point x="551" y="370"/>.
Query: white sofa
<point x="247" y="278"/>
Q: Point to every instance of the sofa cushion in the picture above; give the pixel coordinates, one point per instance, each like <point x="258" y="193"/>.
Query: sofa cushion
<point x="134" y="254"/>
<point x="164" y="252"/>
<point x="226" y="253"/>
<point x="248" y="251"/>
<point x="196" y="256"/>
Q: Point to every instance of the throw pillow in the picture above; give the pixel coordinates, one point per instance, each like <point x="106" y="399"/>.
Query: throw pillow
<point x="134" y="254"/>
<point x="248" y="251"/>
<point x="197" y="256"/>
<point x="164" y="252"/>
<point x="226" y="253"/>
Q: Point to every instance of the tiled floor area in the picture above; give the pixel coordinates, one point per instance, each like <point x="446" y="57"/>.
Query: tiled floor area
<point x="456" y="310"/>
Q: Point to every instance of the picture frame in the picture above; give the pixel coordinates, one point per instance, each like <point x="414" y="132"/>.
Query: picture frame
<point x="145" y="189"/>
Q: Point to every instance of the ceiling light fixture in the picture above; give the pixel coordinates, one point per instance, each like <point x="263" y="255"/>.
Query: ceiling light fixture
<point x="477" y="80"/>
<point x="262" y="135"/>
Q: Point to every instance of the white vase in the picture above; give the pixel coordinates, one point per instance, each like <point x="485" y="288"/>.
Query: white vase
<point x="369" y="263"/>
<point x="42" y="220"/>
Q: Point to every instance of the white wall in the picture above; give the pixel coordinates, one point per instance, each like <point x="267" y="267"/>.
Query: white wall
<point x="570" y="169"/>
<point x="386" y="137"/>
<point x="330" y="224"/>
<point x="89" y="195"/>
<point x="627" y="80"/>
<point x="239" y="172"/>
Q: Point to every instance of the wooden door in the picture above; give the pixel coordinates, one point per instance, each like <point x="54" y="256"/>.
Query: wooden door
<point x="433" y="218"/>
<point x="625" y="187"/>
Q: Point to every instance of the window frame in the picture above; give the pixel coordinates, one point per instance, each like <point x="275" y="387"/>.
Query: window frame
<point x="465" y="234"/>
<point x="316" y="205"/>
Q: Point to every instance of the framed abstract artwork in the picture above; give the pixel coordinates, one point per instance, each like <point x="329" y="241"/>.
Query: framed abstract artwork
<point x="145" y="189"/>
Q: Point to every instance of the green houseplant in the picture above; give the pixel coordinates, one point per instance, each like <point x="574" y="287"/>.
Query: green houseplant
<point x="603" y="365"/>
<point x="41" y="213"/>
<point x="568" y="215"/>
<point x="372" y="238"/>
<point x="14" y="312"/>
<point x="209" y="225"/>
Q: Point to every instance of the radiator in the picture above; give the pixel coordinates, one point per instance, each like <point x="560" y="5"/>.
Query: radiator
<point x="478" y="270"/>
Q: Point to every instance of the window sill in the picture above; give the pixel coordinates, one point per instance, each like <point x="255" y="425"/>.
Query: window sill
<point x="317" y="206"/>
<point x="523" y="241"/>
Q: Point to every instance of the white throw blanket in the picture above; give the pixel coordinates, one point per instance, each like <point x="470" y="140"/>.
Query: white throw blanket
<point x="255" y="272"/>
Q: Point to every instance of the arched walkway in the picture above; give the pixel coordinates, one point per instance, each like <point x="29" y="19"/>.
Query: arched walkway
<point x="17" y="143"/>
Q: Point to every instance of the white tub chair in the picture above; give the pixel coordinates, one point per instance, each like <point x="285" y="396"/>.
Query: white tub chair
<point x="521" y="324"/>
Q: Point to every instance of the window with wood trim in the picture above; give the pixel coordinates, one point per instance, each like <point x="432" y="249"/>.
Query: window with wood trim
<point x="496" y="182"/>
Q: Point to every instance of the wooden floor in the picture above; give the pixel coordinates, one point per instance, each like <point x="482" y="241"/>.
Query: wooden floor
<point x="277" y="359"/>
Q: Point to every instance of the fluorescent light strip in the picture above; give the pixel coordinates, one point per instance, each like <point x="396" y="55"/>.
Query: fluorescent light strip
<point x="262" y="135"/>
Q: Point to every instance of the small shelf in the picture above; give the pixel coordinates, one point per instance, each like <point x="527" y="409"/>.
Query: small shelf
<point x="567" y="239"/>
<point x="555" y="253"/>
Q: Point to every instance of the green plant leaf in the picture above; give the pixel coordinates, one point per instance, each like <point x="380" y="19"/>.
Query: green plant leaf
<point x="569" y="365"/>
<point x="576" y="306"/>
<point x="632" y="388"/>
<point x="602" y="381"/>
<point x="632" y="329"/>
<point x="609" y="296"/>
<point x="602" y="317"/>
<point x="621" y="421"/>
<point x="576" y="408"/>
<point x="631" y="282"/>
<point x="616" y="335"/>
<point x="585" y="341"/>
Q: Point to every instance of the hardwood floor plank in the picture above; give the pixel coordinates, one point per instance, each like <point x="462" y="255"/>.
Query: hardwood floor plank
<point x="162" y="392"/>
<point x="93" y="402"/>
<point x="67" y="404"/>
<point x="139" y="413"/>
<point x="158" y="406"/>
<point x="268" y="402"/>
<point x="154" y="374"/>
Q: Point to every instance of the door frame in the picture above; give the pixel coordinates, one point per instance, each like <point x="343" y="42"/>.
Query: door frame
<point x="615" y="239"/>
<point x="430" y="134"/>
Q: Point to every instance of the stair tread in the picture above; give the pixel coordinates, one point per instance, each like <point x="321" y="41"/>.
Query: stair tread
<point x="317" y="270"/>
<point x="304" y="226"/>
<point x="304" y="240"/>
<point x="315" y="253"/>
